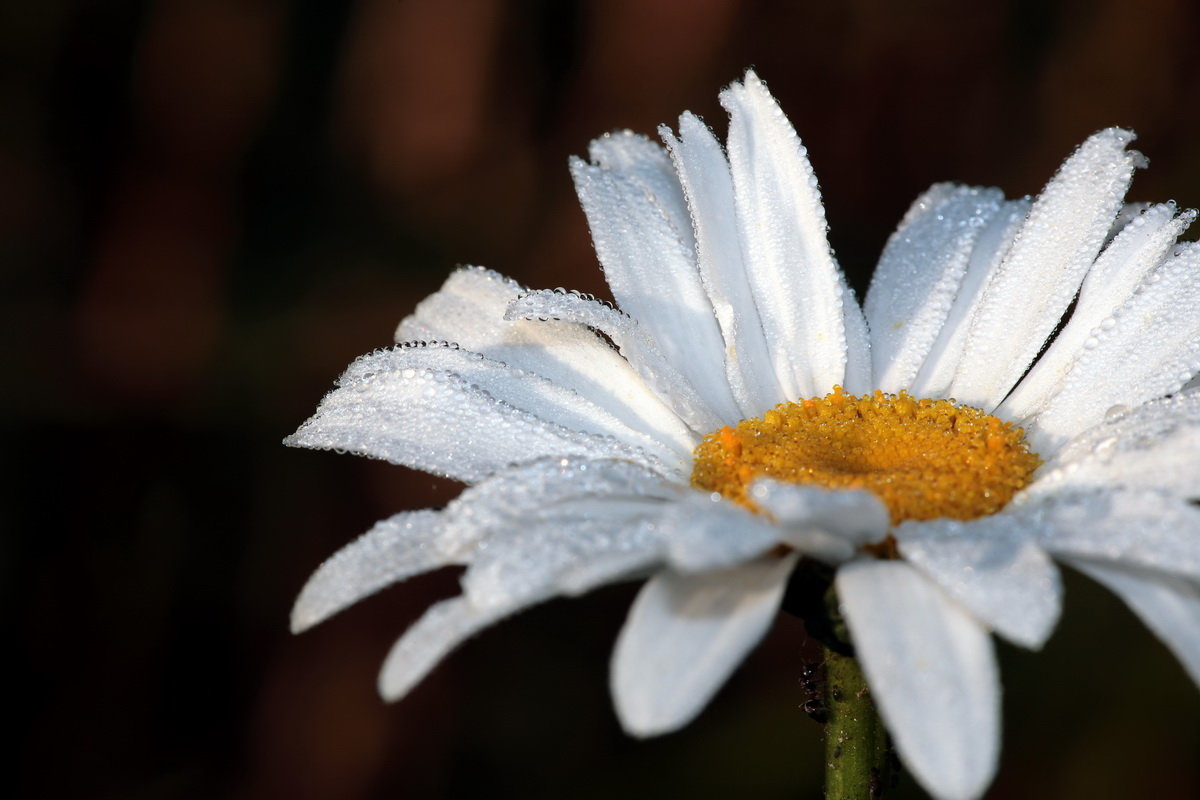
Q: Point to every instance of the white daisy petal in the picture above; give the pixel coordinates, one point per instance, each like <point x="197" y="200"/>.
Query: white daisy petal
<point x="1135" y="252"/>
<point x="855" y="516"/>
<point x="1154" y="446"/>
<point x="1151" y="349"/>
<point x="685" y="635"/>
<point x="511" y="496"/>
<point x="443" y="627"/>
<point x="587" y="529"/>
<point x="414" y="542"/>
<point x="1149" y="529"/>
<point x="437" y="422"/>
<point x="704" y="532"/>
<point x="396" y="548"/>
<point x="642" y="161"/>
<point x="797" y="286"/>
<point x="932" y="671"/>
<point x="611" y="566"/>
<point x="470" y="311"/>
<point x="708" y="186"/>
<point x="1167" y="604"/>
<point x="634" y="343"/>
<point x="541" y="557"/>
<point x="859" y="379"/>
<point x="521" y="390"/>
<point x="991" y="248"/>
<point x="1033" y="286"/>
<point x="1128" y="213"/>
<point x="993" y="567"/>
<point x="918" y="277"/>
<point x="559" y="526"/>
<point x="651" y="270"/>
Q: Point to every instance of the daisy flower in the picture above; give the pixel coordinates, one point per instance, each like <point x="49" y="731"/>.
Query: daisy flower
<point x="1014" y="390"/>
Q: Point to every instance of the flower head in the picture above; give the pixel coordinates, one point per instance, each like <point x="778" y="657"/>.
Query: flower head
<point x="1012" y="390"/>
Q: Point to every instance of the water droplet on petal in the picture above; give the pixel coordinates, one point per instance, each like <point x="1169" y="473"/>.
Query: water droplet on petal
<point x="1115" y="413"/>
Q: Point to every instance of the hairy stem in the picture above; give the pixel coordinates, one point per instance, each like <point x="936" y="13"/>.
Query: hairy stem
<point x="858" y="759"/>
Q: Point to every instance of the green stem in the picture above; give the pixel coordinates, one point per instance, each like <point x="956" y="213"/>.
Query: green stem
<point x="858" y="757"/>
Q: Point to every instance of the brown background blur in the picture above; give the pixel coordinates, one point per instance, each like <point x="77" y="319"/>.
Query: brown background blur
<point x="209" y="207"/>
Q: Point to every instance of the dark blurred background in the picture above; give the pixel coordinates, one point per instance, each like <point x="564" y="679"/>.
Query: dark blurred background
<point x="209" y="207"/>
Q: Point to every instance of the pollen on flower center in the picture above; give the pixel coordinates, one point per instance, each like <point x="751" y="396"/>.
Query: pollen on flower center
<point x="924" y="458"/>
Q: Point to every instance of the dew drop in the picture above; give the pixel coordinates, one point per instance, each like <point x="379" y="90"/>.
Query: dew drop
<point x="1114" y="413"/>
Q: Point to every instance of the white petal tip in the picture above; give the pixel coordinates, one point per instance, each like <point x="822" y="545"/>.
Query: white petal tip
<point x="390" y="691"/>
<point x="316" y="603"/>
<point x="312" y="605"/>
<point x="301" y="622"/>
<point x="405" y="667"/>
<point x="1031" y="637"/>
<point x="1121" y="137"/>
<point x="643" y="723"/>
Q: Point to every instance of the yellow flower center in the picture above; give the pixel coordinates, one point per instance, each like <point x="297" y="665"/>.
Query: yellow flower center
<point x="924" y="458"/>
